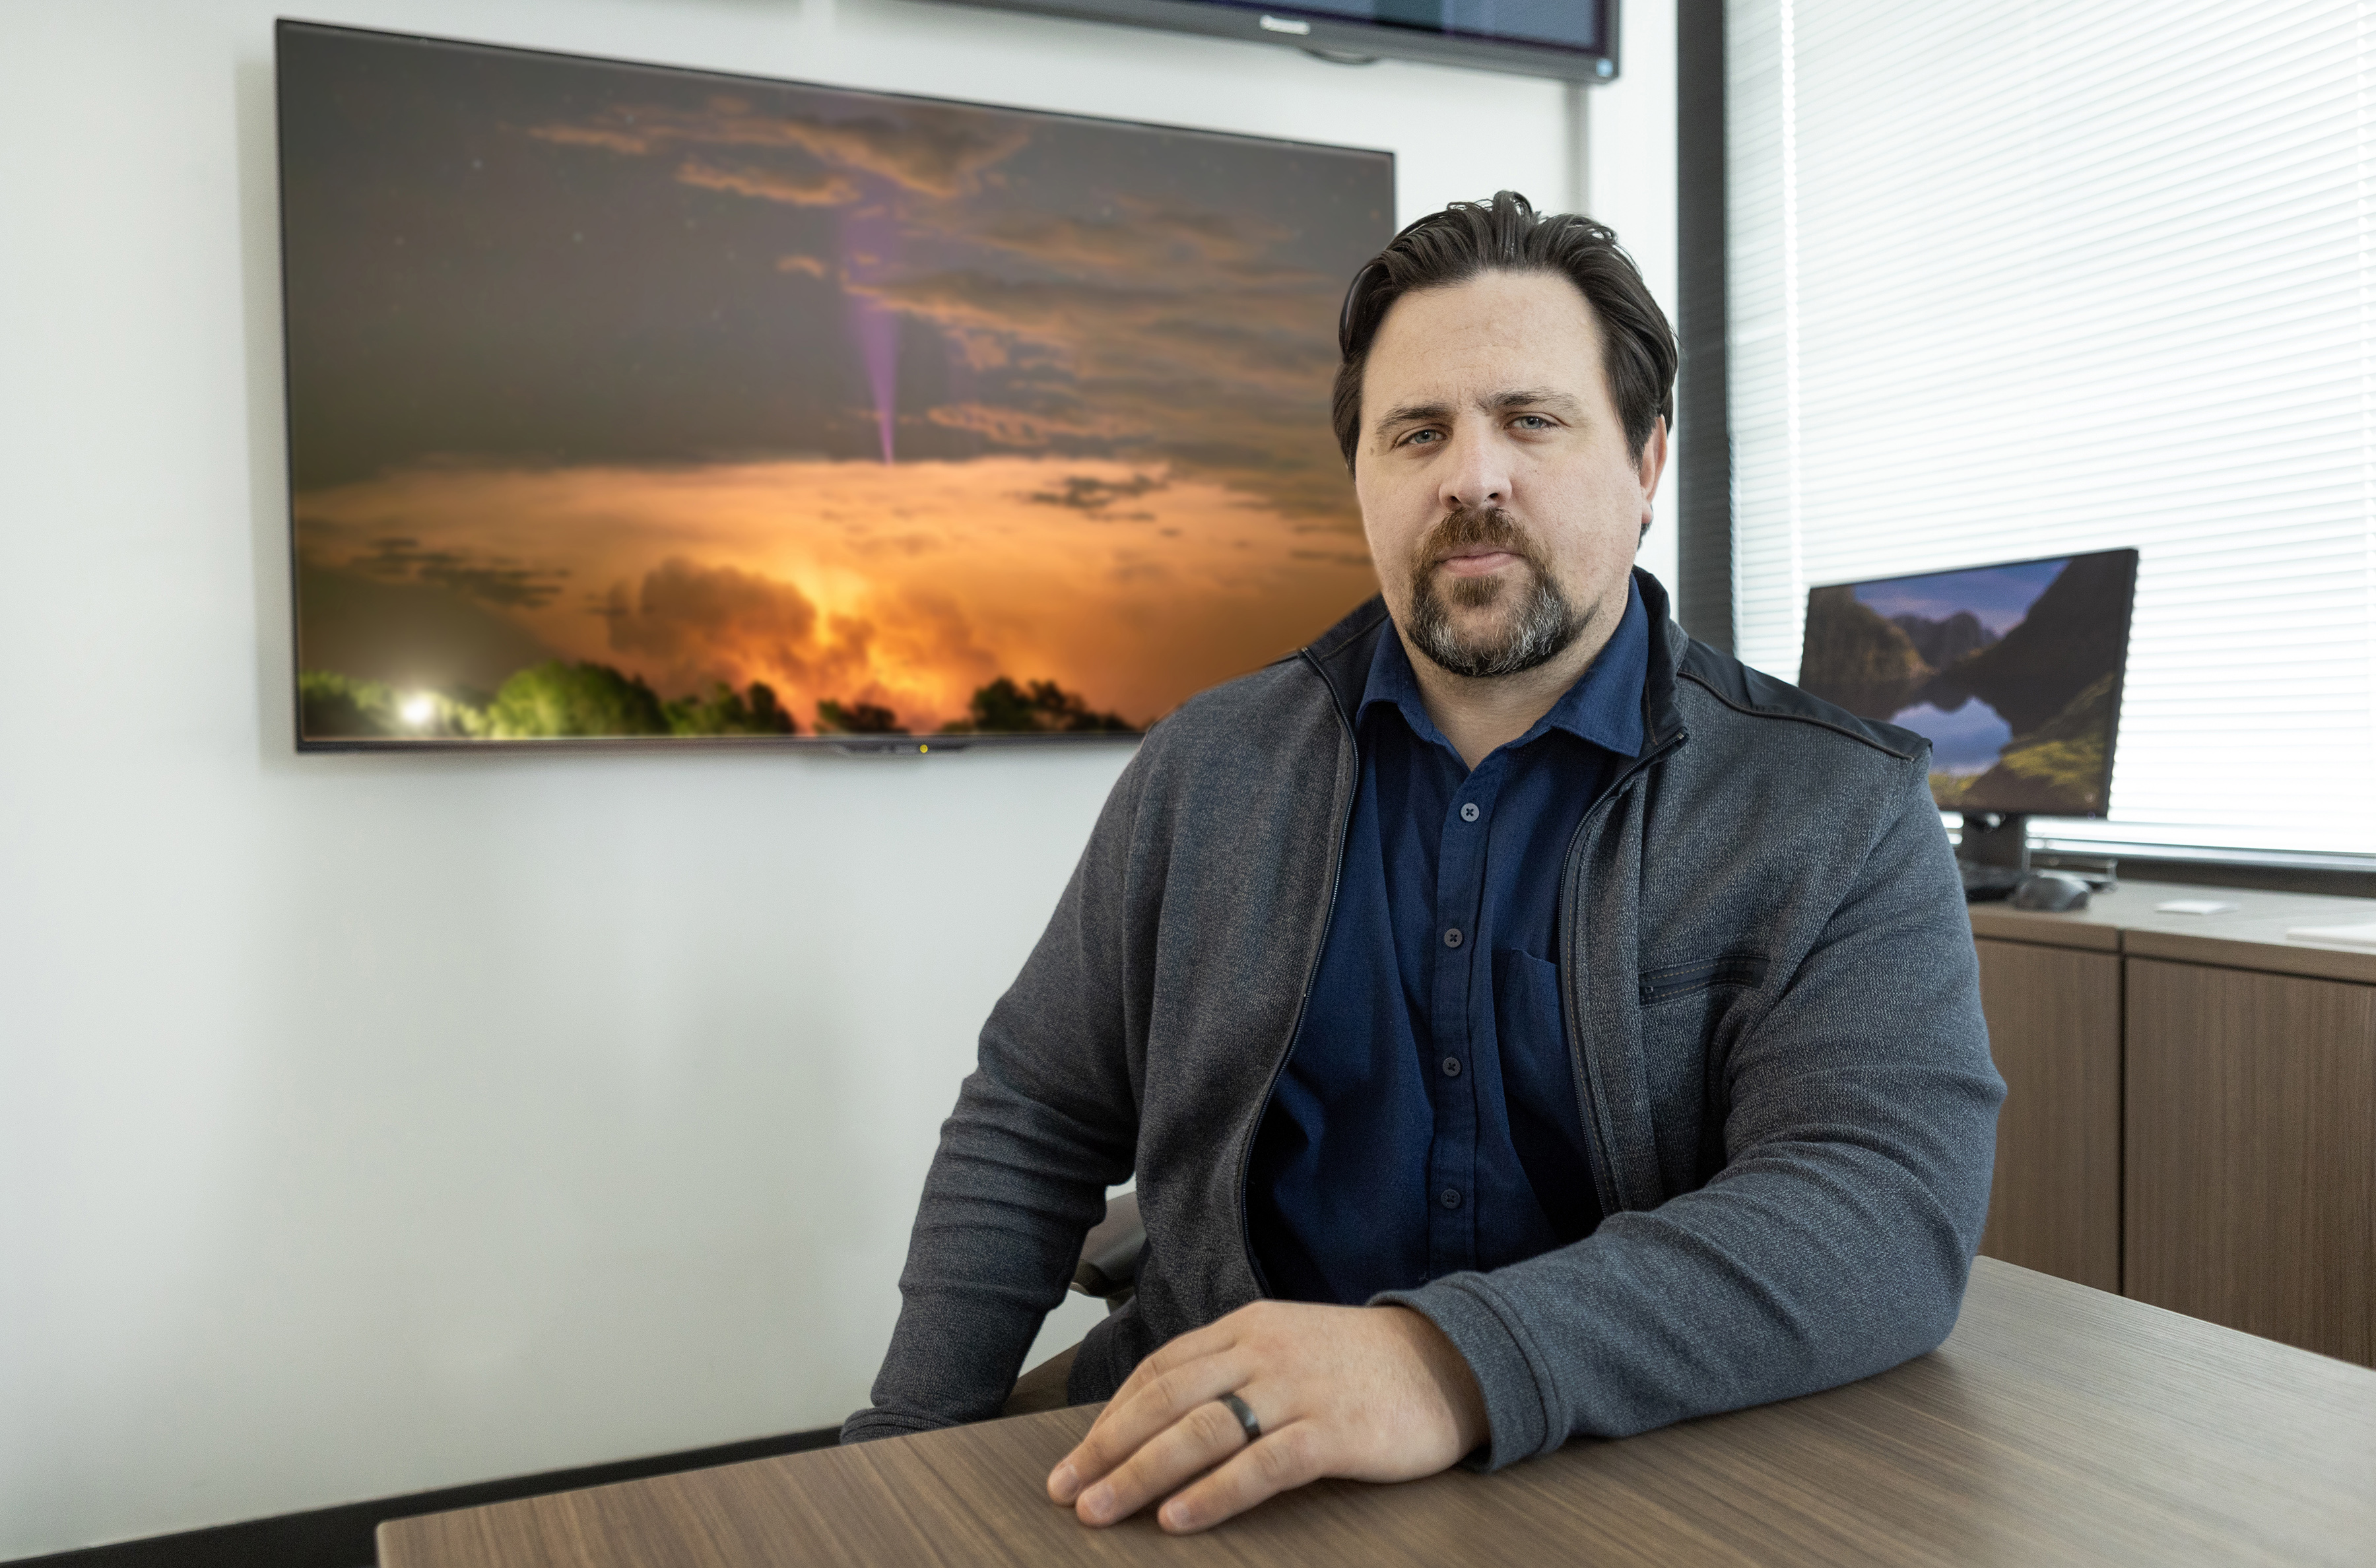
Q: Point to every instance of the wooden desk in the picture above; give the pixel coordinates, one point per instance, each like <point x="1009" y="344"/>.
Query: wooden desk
<point x="2057" y="1424"/>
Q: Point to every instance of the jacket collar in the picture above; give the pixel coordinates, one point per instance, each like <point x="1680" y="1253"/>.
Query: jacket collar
<point x="1342" y="654"/>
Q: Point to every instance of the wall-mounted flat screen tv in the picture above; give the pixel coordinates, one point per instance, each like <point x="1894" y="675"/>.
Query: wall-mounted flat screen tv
<point x="630" y="404"/>
<point x="2013" y="670"/>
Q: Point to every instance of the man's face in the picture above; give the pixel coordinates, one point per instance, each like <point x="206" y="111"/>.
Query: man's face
<point x="1502" y="506"/>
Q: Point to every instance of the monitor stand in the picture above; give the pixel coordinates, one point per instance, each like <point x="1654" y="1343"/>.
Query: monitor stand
<point x="1994" y="854"/>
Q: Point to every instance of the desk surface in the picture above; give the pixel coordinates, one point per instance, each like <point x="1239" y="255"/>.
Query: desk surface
<point x="2250" y="936"/>
<point x="2057" y="1424"/>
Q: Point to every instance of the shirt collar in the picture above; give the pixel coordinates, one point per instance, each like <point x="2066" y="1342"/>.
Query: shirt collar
<point x="1604" y="706"/>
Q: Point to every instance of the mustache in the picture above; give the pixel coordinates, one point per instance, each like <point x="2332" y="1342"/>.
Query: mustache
<point x="1539" y="623"/>
<point x="1468" y="528"/>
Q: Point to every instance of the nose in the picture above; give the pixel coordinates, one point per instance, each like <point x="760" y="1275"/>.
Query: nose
<point x="1476" y="472"/>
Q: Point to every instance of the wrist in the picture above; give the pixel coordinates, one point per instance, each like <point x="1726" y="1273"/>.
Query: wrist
<point x="1447" y="1372"/>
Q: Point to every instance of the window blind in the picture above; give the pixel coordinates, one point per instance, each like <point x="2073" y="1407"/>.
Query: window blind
<point x="2025" y="280"/>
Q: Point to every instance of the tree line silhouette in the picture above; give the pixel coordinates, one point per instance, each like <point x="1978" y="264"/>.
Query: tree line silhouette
<point x="587" y="700"/>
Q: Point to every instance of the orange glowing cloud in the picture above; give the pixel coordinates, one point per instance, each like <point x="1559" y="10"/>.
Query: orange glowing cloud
<point x="907" y="586"/>
<point x="805" y="190"/>
<point x="930" y="150"/>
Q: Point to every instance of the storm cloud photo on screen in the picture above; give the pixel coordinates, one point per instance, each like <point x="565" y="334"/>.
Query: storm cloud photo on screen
<point x="634" y="401"/>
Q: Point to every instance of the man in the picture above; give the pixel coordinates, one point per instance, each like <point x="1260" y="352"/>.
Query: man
<point x="1521" y="1021"/>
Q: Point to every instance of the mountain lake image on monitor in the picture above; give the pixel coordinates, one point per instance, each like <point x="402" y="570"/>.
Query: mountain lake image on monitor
<point x="632" y="404"/>
<point x="2013" y="672"/>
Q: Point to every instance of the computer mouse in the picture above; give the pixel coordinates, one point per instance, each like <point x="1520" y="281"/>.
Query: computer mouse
<point x="2051" y="891"/>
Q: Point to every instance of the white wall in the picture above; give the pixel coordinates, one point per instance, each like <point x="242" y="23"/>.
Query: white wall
<point x="371" y="1124"/>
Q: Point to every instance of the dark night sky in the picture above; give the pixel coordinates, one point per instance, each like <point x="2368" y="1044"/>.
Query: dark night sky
<point x="503" y="257"/>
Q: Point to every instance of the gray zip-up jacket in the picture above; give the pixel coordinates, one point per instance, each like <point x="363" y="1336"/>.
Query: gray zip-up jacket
<point x="1773" y="1014"/>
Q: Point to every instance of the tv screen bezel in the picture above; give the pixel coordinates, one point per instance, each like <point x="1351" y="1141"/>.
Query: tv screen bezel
<point x="825" y="741"/>
<point x="2119" y="675"/>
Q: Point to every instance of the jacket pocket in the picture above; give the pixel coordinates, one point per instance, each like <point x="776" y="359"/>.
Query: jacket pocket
<point x="1672" y="980"/>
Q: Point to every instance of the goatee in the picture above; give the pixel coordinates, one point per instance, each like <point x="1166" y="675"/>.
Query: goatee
<point x="1543" y="625"/>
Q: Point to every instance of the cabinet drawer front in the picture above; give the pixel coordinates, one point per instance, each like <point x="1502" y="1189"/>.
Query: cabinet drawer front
<point x="2251" y="1151"/>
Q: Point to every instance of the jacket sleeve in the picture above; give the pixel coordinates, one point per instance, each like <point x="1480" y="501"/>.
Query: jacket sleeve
<point x="1835" y="1243"/>
<point x="1046" y="1122"/>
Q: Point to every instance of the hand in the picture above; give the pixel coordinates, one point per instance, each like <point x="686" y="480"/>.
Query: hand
<point x="1371" y="1394"/>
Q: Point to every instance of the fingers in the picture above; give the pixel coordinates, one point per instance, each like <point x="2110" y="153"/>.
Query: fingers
<point x="1375" y="1393"/>
<point x="1281" y="1461"/>
<point x="1136" y="1416"/>
<point x="1199" y="1440"/>
<point x="1209" y="1340"/>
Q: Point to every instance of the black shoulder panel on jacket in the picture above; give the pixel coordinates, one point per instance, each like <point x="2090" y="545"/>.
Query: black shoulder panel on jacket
<point x="1738" y="687"/>
<point x="1342" y="653"/>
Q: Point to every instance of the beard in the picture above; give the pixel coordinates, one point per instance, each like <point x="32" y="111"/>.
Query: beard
<point x="1538" y="626"/>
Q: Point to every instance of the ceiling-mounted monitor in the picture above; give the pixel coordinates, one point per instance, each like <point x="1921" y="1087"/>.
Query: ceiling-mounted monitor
<point x="1572" y="39"/>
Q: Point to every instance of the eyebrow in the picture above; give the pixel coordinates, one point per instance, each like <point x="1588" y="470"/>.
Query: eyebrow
<point x="1531" y="397"/>
<point x="1493" y="403"/>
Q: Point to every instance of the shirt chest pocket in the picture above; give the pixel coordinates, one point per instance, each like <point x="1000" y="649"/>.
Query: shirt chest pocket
<point x="1532" y="1039"/>
<point x="1539" y="1094"/>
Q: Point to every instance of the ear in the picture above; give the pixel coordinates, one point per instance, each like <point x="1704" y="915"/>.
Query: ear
<point x="1653" y="465"/>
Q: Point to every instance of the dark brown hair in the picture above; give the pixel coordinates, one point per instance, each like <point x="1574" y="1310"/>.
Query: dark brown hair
<point x="1506" y="235"/>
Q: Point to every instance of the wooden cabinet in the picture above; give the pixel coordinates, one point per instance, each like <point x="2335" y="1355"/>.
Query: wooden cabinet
<point x="2054" y="1027"/>
<point x="2189" y="1114"/>
<point x="2251" y="1151"/>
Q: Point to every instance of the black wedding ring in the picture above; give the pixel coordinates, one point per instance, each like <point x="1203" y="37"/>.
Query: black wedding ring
<point x="1238" y="1408"/>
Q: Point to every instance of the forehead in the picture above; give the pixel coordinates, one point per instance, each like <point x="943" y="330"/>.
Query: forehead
<point x="1497" y="328"/>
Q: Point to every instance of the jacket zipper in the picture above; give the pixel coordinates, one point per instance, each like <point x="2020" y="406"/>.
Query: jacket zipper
<point x="1310" y="978"/>
<point x="1590" y="1091"/>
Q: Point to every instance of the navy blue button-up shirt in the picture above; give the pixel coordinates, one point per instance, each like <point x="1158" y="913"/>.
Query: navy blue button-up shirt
<point x="1427" y="1120"/>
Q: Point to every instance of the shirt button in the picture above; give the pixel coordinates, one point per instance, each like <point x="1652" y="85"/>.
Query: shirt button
<point x="1451" y="937"/>
<point x="1450" y="1198"/>
<point x="1452" y="1066"/>
<point x="1468" y="812"/>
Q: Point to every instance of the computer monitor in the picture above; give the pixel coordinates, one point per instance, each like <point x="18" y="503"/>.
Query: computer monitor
<point x="2013" y="672"/>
